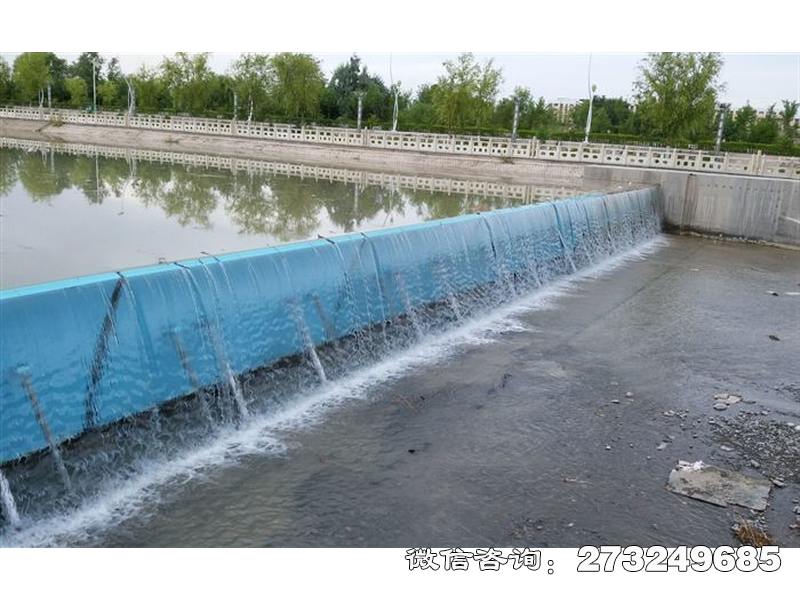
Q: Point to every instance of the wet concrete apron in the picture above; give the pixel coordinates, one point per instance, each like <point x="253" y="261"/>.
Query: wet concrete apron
<point x="560" y="435"/>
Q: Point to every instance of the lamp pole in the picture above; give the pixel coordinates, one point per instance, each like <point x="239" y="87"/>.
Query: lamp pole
<point x="94" y="85"/>
<point x="592" y="89"/>
<point x="722" y="110"/>
<point x="515" y="124"/>
<point x="360" y="96"/>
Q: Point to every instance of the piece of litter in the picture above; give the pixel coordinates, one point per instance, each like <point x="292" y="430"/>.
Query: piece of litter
<point x="725" y="448"/>
<point x="629" y="394"/>
<point x="772" y="292"/>
<point x="721" y="406"/>
<point x="718" y="486"/>
<point x="774" y="337"/>
<point x="661" y="446"/>
<point x="721" y="396"/>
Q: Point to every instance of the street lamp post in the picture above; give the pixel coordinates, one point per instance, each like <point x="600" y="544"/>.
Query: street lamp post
<point x="592" y="89"/>
<point x="360" y="96"/>
<point x="131" y="97"/>
<point x="94" y="85"/>
<point x="722" y="110"/>
<point x="395" y="108"/>
<point x="516" y="120"/>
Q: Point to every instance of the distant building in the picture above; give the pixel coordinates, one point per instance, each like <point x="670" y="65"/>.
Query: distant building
<point x="562" y="108"/>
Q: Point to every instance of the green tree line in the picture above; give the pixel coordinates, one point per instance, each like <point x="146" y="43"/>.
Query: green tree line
<point x="675" y="99"/>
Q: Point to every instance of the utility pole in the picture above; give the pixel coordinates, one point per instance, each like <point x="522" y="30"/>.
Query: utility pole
<point x="592" y="89"/>
<point x="235" y="105"/>
<point x="516" y="120"/>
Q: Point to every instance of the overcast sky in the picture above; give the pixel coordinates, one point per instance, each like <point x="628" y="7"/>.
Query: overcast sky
<point x="761" y="79"/>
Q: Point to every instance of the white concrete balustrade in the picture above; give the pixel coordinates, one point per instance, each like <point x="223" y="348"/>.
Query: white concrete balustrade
<point x="606" y="154"/>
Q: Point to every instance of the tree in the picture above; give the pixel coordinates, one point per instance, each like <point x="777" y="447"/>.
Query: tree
<point x="350" y="79"/>
<point x="739" y="125"/>
<point x="84" y="67"/>
<point x="767" y="129"/>
<point x="31" y="75"/>
<point x="421" y="113"/>
<point x="488" y="85"/>
<point x="109" y="93"/>
<point x="78" y="93"/>
<point x="151" y="94"/>
<point x="253" y="78"/>
<point x="612" y="115"/>
<point x="677" y="94"/>
<point x="113" y="70"/>
<point x="789" y="120"/>
<point x="6" y="85"/>
<point x="466" y="93"/>
<point x="299" y="84"/>
<point x="188" y="78"/>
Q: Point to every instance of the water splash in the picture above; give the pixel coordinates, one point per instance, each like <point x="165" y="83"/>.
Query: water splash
<point x="7" y="500"/>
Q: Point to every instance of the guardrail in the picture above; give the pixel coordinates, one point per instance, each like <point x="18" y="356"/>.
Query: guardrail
<point x="532" y="148"/>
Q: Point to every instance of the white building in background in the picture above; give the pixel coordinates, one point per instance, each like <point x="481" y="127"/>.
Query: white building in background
<point x="563" y="107"/>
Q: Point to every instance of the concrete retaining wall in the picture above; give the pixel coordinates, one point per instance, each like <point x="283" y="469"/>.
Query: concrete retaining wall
<point x="460" y="145"/>
<point x="751" y="208"/>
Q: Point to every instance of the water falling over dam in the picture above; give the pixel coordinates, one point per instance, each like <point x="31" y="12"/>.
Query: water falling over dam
<point x="209" y="337"/>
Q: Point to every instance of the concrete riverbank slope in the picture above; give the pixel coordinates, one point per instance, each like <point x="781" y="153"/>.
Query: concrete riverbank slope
<point x="761" y="208"/>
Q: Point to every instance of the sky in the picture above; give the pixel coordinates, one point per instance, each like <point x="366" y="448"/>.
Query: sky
<point x="760" y="79"/>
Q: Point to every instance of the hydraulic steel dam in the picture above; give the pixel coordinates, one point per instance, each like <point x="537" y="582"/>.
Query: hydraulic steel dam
<point x="118" y="385"/>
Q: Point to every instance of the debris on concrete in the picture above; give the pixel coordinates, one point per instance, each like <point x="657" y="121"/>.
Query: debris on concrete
<point x="774" y="337"/>
<point x="629" y="394"/>
<point x="773" y="293"/>
<point x="718" y="486"/>
<point x="720" y="406"/>
<point x="757" y="437"/>
<point x="728" y="398"/>
<point x="661" y="446"/>
<point x="751" y="534"/>
<point x="725" y="448"/>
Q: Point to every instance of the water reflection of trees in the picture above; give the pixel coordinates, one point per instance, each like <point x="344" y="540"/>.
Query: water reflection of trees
<point x="280" y="206"/>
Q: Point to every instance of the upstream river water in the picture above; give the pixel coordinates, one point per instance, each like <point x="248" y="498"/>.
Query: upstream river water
<point x="70" y="210"/>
